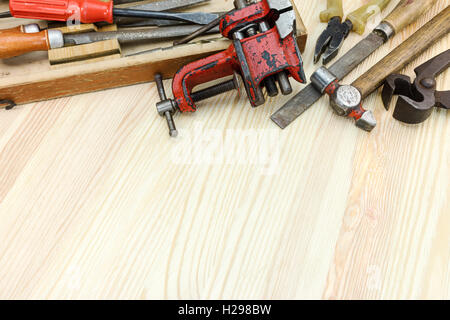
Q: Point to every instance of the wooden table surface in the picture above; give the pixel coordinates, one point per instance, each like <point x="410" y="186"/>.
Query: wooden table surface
<point x="96" y="201"/>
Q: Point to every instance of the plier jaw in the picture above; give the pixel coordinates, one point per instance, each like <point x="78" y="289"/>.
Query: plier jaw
<point x="331" y="40"/>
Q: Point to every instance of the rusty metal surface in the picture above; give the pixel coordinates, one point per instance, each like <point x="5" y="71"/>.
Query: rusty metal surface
<point x="418" y="99"/>
<point x="126" y="36"/>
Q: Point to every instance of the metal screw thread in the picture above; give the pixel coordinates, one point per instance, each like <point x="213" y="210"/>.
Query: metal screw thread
<point x="214" y="91"/>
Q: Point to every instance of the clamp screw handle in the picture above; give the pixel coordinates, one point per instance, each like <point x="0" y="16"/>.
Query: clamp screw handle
<point x="160" y="86"/>
<point x="166" y="107"/>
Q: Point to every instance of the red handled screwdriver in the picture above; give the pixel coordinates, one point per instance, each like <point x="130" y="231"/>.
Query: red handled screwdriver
<point x="89" y="11"/>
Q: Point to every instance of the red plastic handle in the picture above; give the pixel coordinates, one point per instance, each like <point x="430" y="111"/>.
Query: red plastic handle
<point x="85" y="11"/>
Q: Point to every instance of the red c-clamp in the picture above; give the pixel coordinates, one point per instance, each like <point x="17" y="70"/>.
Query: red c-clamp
<point x="264" y="51"/>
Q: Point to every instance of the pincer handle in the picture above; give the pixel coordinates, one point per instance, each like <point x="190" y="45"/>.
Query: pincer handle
<point x="334" y="9"/>
<point x="360" y="16"/>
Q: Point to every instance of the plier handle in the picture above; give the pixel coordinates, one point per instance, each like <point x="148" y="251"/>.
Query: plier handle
<point x="331" y="40"/>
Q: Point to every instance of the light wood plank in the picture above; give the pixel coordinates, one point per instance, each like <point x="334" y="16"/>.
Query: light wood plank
<point x="96" y="201"/>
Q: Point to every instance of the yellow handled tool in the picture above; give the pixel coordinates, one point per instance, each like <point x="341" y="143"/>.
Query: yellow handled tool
<point x="334" y="9"/>
<point x="360" y="16"/>
<point x="331" y="40"/>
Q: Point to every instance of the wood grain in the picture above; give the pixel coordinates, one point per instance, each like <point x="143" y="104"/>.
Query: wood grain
<point x="85" y="52"/>
<point x="96" y="201"/>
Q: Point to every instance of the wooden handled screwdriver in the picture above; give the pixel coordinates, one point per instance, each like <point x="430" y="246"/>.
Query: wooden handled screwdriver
<point x="15" y="42"/>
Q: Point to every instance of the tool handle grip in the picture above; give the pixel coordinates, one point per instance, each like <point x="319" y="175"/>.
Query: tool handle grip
<point x="85" y="11"/>
<point x="405" y="53"/>
<point x="15" y="29"/>
<point x="14" y="43"/>
<point x="334" y="9"/>
<point x="360" y="16"/>
<point x="407" y="12"/>
<point x="28" y="28"/>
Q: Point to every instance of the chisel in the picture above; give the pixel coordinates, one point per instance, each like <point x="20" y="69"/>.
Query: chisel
<point x="403" y="15"/>
<point x="14" y="42"/>
<point x="91" y="11"/>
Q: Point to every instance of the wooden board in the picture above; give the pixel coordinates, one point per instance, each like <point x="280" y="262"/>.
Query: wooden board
<point x="84" y="53"/>
<point x="97" y="202"/>
<point x="42" y="82"/>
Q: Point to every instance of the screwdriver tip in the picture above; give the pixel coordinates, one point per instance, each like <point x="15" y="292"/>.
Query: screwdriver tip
<point x="6" y="14"/>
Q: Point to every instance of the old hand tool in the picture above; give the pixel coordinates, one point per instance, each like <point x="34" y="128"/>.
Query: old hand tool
<point x="203" y="18"/>
<point x="404" y="14"/>
<point x="258" y="53"/>
<point x="160" y="5"/>
<point x="133" y="35"/>
<point x="201" y="30"/>
<point x="90" y="11"/>
<point x="164" y="5"/>
<point x="347" y="99"/>
<point x="14" y="42"/>
<point x="417" y="100"/>
<point x="331" y="40"/>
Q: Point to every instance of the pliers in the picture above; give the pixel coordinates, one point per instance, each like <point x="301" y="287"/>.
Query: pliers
<point x="331" y="40"/>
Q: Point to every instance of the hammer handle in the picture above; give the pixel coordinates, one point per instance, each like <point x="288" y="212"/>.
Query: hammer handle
<point x="14" y="43"/>
<point x="421" y="40"/>
<point x="407" y="12"/>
